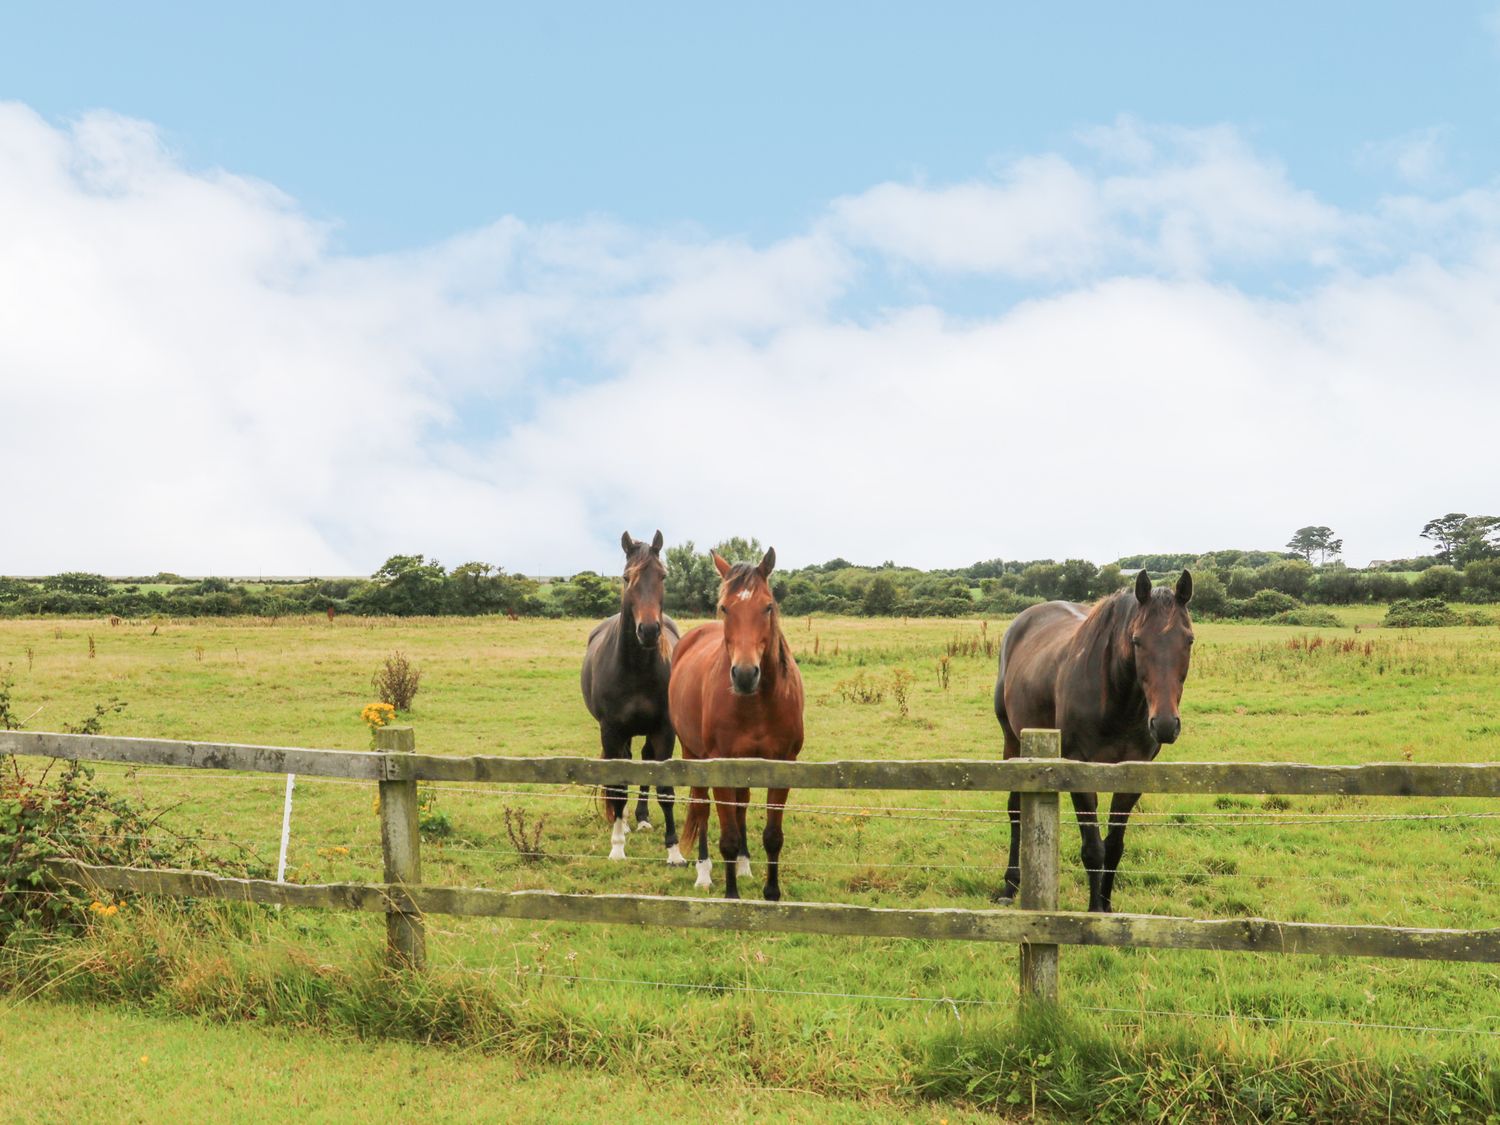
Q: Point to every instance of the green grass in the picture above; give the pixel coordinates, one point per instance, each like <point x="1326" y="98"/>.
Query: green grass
<point x="510" y="687"/>
<point x="124" y="1066"/>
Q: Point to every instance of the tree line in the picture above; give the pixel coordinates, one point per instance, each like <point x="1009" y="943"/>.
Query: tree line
<point x="1231" y="583"/>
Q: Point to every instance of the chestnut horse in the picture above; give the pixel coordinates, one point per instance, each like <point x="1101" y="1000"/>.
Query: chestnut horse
<point x="625" y="675"/>
<point x="736" y="693"/>
<point x="1110" y="679"/>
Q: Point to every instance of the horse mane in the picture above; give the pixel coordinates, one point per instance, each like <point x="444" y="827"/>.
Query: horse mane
<point x="744" y="576"/>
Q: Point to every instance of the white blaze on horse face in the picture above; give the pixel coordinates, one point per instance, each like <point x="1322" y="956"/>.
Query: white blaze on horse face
<point x="744" y="595"/>
<point x="705" y="874"/>
<point x="617" y="839"/>
<point x="742" y="867"/>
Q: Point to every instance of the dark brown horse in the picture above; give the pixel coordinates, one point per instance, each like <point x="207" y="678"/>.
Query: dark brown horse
<point x="1110" y="678"/>
<point x="625" y="676"/>
<point x="736" y="693"/>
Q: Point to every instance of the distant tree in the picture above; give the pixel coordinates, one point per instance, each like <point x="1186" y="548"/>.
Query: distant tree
<point x="881" y="597"/>
<point x="586" y="594"/>
<point x="79" y="582"/>
<point x="1319" y="539"/>
<point x="1077" y="580"/>
<point x="1463" y="538"/>
<point x="406" y="585"/>
<point x="692" y="581"/>
<point x="1439" y="582"/>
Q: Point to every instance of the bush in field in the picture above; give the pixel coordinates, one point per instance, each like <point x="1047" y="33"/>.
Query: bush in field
<point x="1440" y="582"/>
<point x="1307" y="616"/>
<point x="1264" y="603"/>
<point x="1482" y="581"/>
<point x="396" y="681"/>
<point x="1420" y="613"/>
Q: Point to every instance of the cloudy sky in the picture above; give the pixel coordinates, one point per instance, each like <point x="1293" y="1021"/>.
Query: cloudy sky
<point x="294" y="293"/>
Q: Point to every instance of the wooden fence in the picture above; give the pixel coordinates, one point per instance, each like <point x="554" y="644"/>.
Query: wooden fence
<point x="1037" y="926"/>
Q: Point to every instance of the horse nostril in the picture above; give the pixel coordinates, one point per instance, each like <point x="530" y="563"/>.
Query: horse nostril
<point x="744" y="678"/>
<point x="1166" y="729"/>
<point x="648" y="634"/>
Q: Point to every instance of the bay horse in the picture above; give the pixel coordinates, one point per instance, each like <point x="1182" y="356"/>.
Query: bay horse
<point x="625" y="676"/>
<point x="736" y="693"/>
<point x="1110" y="678"/>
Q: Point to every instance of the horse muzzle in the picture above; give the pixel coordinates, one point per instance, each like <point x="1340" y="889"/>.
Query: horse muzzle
<point x="648" y="633"/>
<point x="1165" y="728"/>
<point x="745" y="679"/>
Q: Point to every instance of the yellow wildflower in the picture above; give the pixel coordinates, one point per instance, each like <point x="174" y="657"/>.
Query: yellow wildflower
<point x="377" y="714"/>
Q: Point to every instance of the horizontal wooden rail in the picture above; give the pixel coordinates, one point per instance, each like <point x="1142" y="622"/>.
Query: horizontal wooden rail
<point x="1255" y="935"/>
<point x="1396" y="779"/>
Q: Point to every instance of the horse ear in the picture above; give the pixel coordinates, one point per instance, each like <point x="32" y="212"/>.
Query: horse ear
<point x="720" y="564"/>
<point x="627" y="542"/>
<point x="1185" y="588"/>
<point x="656" y="543"/>
<point x="767" y="562"/>
<point x="1143" y="587"/>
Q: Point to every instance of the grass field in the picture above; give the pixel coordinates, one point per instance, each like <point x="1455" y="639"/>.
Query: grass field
<point x="1283" y="1034"/>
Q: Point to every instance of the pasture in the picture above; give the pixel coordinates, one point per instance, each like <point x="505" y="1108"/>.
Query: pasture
<point x="865" y="1018"/>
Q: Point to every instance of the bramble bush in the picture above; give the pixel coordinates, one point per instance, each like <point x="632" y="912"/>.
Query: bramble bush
<point x="66" y="813"/>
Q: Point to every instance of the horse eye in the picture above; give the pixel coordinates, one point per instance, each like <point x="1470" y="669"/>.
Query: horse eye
<point x="1136" y="641"/>
<point x="769" y="608"/>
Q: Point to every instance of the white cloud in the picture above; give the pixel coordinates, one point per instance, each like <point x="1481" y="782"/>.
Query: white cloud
<point x="191" y="380"/>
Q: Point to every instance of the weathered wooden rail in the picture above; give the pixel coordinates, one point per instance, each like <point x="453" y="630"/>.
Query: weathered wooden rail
<point x="1038" y="927"/>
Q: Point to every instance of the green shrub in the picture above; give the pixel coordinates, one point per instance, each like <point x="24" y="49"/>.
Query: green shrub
<point x="1308" y="617"/>
<point x="1420" y="613"/>
<point x="1439" y="582"/>
<point x="1263" y="604"/>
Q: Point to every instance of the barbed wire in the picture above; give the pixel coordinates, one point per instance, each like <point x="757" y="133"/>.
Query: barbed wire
<point x="1148" y="819"/>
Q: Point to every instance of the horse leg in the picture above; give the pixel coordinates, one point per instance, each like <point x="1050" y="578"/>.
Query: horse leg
<point x="1120" y="807"/>
<point x="742" y="859"/>
<point x="729" y="837"/>
<point x="1086" y="808"/>
<point x="616" y="745"/>
<point x="770" y="837"/>
<point x="698" y="815"/>
<point x="643" y="805"/>
<point x="1013" y="865"/>
<point x="659" y="747"/>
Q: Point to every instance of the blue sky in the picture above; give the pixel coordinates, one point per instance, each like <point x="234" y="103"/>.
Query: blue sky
<point x="827" y="274"/>
<point x="405" y="124"/>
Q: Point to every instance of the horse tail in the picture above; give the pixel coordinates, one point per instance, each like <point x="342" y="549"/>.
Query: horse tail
<point x="601" y="799"/>
<point x="696" y="820"/>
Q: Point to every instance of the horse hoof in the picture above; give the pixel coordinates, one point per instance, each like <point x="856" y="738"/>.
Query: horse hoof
<point x="705" y="874"/>
<point x="643" y="826"/>
<point x="675" y="858"/>
<point x="771" y="894"/>
<point x="617" y="852"/>
<point x="1003" y="898"/>
<point x="742" y="867"/>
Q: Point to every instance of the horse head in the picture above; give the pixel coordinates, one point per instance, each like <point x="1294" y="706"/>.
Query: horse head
<point x="1160" y="645"/>
<point x="645" y="577"/>
<point x="748" y="610"/>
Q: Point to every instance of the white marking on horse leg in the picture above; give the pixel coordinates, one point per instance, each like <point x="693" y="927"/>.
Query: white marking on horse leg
<point x="742" y="867"/>
<point x="705" y="874"/>
<point x="675" y="858"/>
<point x="643" y="826"/>
<point x="617" y="839"/>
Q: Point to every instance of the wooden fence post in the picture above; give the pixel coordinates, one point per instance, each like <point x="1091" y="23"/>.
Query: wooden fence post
<point x="401" y="841"/>
<point x="1039" y="867"/>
